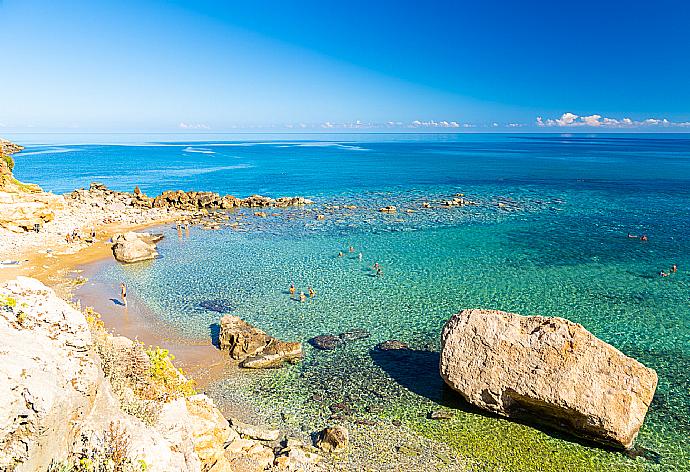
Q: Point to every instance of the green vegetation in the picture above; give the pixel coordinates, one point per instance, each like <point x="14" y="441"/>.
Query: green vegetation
<point x="8" y="160"/>
<point x="166" y="375"/>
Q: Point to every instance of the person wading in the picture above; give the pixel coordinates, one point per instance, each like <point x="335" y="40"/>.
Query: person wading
<point x="123" y="293"/>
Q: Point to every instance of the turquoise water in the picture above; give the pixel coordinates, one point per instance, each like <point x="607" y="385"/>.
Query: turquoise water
<point x="556" y="246"/>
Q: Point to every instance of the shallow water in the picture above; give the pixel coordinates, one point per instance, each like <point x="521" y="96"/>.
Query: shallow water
<point x="558" y="246"/>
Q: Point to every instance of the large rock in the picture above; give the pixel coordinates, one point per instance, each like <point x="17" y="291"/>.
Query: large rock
<point x="241" y="339"/>
<point x="134" y="247"/>
<point x="275" y="355"/>
<point x="548" y="370"/>
<point x="253" y="347"/>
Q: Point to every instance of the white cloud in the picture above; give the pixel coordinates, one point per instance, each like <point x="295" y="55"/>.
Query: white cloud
<point x="184" y="125"/>
<point x="434" y="124"/>
<point x="573" y="120"/>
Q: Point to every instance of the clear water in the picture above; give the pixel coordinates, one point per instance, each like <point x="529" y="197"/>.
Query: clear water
<point x="558" y="248"/>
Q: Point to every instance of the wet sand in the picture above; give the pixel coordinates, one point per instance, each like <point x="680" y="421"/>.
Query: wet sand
<point x="199" y="358"/>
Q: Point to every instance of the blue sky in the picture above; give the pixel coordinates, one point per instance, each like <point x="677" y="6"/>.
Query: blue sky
<point x="357" y="65"/>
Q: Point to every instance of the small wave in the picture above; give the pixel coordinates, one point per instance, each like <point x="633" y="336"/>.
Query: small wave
<point x="197" y="171"/>
<point x="198" y="150"/>
<point x="48" y="151"/>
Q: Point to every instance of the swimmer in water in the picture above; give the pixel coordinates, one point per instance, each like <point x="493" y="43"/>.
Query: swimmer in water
<point x="302" y="297"/>
<point x="376" y="266"/>
<point x="663" y="274"/>
<point x="292" y="288"/>
<point x="644" y="237"/>
<point x="340" y="254"/>
<point x="351" y="249"/>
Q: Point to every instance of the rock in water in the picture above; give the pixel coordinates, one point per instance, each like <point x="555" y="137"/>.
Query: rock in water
<point x="325" y="342"/>
<point x="549" y="370"/>
<point x="274" y="355"/>
<point x="218" y="305"/>
<point x="254" y="348"/>
<point x="240" y="338"/>
<point x="392" y="345"/>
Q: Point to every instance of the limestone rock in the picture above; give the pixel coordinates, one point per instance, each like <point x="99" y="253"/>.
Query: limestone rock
<point x="253" y="347"/>
<point x="134" y="247"/>
<point x="20" y="211"/>
<point x="276" y="354"/>
<point x="549" y="370"/>
<point x="54" y="399"/>
<point x="255" y="432"/>
<point x="334" y="439"/>
<point x="241" y="339"/>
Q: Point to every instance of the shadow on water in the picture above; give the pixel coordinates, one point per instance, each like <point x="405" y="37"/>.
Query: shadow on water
<point x="214" y="329"/>
<point x="418" y="372"/>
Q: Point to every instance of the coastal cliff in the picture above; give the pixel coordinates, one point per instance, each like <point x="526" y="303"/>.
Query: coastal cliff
<point x="22" y="206"/>
<point x="74" y="397"/>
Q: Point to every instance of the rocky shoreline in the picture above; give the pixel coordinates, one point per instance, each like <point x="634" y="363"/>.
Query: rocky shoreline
<point x="111" y="384"/>
<point x="131" y="409"/>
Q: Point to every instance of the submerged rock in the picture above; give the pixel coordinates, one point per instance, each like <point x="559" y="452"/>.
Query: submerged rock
<point x="549" y="370"/>
<point x="218" y="305"/>
<point x="354" y="334"/>
<point x="441" y="415"/>
<point x="325" y="342"/>
<point x="392" y="345"/>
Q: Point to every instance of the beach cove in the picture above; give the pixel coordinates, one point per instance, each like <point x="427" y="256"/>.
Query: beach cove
<point x="548" y="236"/>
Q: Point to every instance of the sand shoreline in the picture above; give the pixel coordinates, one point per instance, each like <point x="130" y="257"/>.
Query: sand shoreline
<point x="67" y="268"/>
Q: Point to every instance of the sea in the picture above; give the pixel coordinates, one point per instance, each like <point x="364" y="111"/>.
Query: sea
<point x="555" y="231"/>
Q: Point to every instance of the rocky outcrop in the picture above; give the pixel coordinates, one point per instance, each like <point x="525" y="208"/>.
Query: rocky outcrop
<point x="253" y="347"/>
<point x="548" y="370"/>
<point x="56" y="404"/>
<point x="99" y="195"/>
<point x="22" y="211"/>
<point x="135" y="247"/>
<point x="22" y="206"/>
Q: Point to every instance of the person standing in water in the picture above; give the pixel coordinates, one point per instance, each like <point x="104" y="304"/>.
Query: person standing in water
<point x="340" y="254"/>
<point x="359" y="256"/>
<point x="351" y="249"/>
<point x="674" y="268"/>
<point x="312" y="293"/>
<point x="302" y="297"/>
<point x="123" y="293"/>
<point x="292" y="288"/>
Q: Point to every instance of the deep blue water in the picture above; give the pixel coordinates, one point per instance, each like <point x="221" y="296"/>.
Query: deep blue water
<point x="548" y="236"/>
